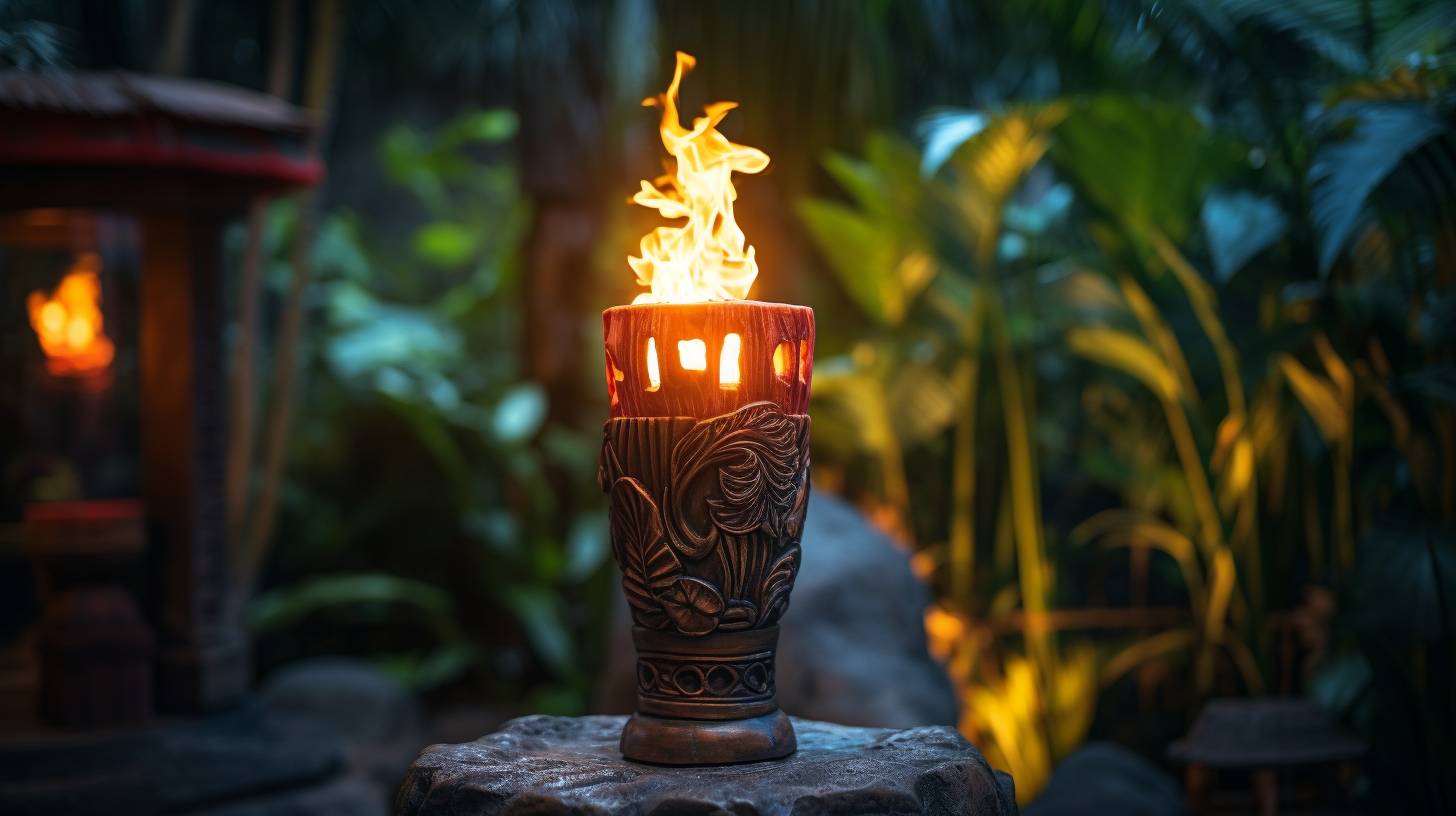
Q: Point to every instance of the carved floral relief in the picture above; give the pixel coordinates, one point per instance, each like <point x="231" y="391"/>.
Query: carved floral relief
<point x="706" y="516"/>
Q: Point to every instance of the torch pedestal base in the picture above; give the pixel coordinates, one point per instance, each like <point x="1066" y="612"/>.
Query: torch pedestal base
<point x="669" y="741"/>
<point x="570" y="765"/>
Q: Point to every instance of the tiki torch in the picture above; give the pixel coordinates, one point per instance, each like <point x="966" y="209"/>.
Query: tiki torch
<point x="706" y="460"/>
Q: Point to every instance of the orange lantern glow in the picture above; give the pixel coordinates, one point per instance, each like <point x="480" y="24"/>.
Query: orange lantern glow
<point x="69" y="322"/>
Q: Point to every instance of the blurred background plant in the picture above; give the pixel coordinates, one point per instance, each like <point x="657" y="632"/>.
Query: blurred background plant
<point x="1136" y="330"/>
<point x="1255" y="272"/>
<point x="452" y="554"/>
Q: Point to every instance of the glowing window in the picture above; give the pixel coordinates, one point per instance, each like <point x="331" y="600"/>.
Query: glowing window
<point x="654" y="377"/>
<point x="804" y="361"/>
<point x="783" y="355"/>
<point x="693" y="354"/>
<point x="728" y="361"/>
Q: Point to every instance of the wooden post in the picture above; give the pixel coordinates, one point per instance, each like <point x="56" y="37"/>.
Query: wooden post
<point x="202" y="660"/>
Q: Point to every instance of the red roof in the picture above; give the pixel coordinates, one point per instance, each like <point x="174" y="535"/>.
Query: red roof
<point x="139" y="137"/>
<point x="119" y="94"/>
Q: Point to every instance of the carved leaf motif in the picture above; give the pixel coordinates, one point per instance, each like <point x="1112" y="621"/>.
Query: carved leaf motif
<point x="693" y="605"/>
<point x="609" y="465"/>
<point x="648" y="564"/>
<point x="754" y="453"/>
<point x="794" y="523"/>
<point x="740" y="614"/>
<point x="777" y="584"/>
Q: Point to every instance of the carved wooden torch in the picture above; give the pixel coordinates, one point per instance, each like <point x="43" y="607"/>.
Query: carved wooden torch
<point x="706" y="461"/>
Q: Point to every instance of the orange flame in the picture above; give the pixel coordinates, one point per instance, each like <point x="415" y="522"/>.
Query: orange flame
<point x="707" y="257"/>
<point x="69" y="324"/>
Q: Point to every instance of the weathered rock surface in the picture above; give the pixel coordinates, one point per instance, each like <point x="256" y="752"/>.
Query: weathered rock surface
<point x="1105" y="778"/>
<point x="852" y="646"/>
<point x="375" y="720"/>
<point x="324" y="737"/>
<point x="561" y="766"/>
<point x="180" y="767"/>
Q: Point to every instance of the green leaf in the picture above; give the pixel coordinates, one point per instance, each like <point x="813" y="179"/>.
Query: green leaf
<point x="446" y="243"/>
<point x="882" y="276"/>
<point x="287" y="606"/>
<point x="1238" y="226"/>
<point x="339" y="249"/>
<point x="1143" y="163"/>
<point x="586" y="546"/>
<point x="540" y="612"/>
<point x="1338" y="682"/>
<point x="925" y="401"/>
<point x="1330" y="28"/>
<point x="887" y="183"/>
<point x="1422" y="31"/>
<point x="520" y="413"/>
<point x="1345" y="172"/>
<point x="1406" y="582"/>
<point x="391" y="337"/>
<point x="431" y="670"/>
<point x="495" y="125"/>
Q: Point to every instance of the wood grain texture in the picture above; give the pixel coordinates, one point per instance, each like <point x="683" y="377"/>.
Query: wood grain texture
<point x="684" y="393"/>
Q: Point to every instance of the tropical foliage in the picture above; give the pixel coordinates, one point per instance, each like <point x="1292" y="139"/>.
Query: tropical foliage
<point x="1195" y="345"/>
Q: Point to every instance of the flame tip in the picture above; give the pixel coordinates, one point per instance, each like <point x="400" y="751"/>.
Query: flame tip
<point x="707" y="258"/>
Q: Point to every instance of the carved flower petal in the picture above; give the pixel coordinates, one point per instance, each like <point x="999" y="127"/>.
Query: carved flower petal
<point x="693" y="605"/>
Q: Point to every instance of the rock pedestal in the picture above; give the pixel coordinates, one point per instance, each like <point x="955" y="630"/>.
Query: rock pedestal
<point x="546" y="766"/>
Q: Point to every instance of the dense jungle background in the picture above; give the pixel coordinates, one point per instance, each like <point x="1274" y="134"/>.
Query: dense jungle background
<point x="1136" y="327"/>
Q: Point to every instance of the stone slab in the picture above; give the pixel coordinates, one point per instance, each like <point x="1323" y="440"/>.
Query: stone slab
<point x="550" y="766"/>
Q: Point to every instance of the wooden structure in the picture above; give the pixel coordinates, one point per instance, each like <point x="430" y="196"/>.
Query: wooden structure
<point x="182" y="157"/>
<point x="1264" y="739"/>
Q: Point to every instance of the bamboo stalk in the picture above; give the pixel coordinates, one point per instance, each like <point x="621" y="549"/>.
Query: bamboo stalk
<point x="1030" y="553"/>
<point x="963" y="474"/>
<point x="243" y="400"/>
<point x="319" y="87"/>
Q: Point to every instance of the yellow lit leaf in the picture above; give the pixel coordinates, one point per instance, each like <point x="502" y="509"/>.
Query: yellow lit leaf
<point x="1076" y="699"/>
<point x="1122" y="528"/>
<point x="1339" y="373"/>
<point x="1318" y="396"/>
<point x="1228" y="431"/>
<point x="1127" y="353"/>
<point x="1149" y="648"/>
<point x="1221" y="588"/>
<point x="1237" y="477"/>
